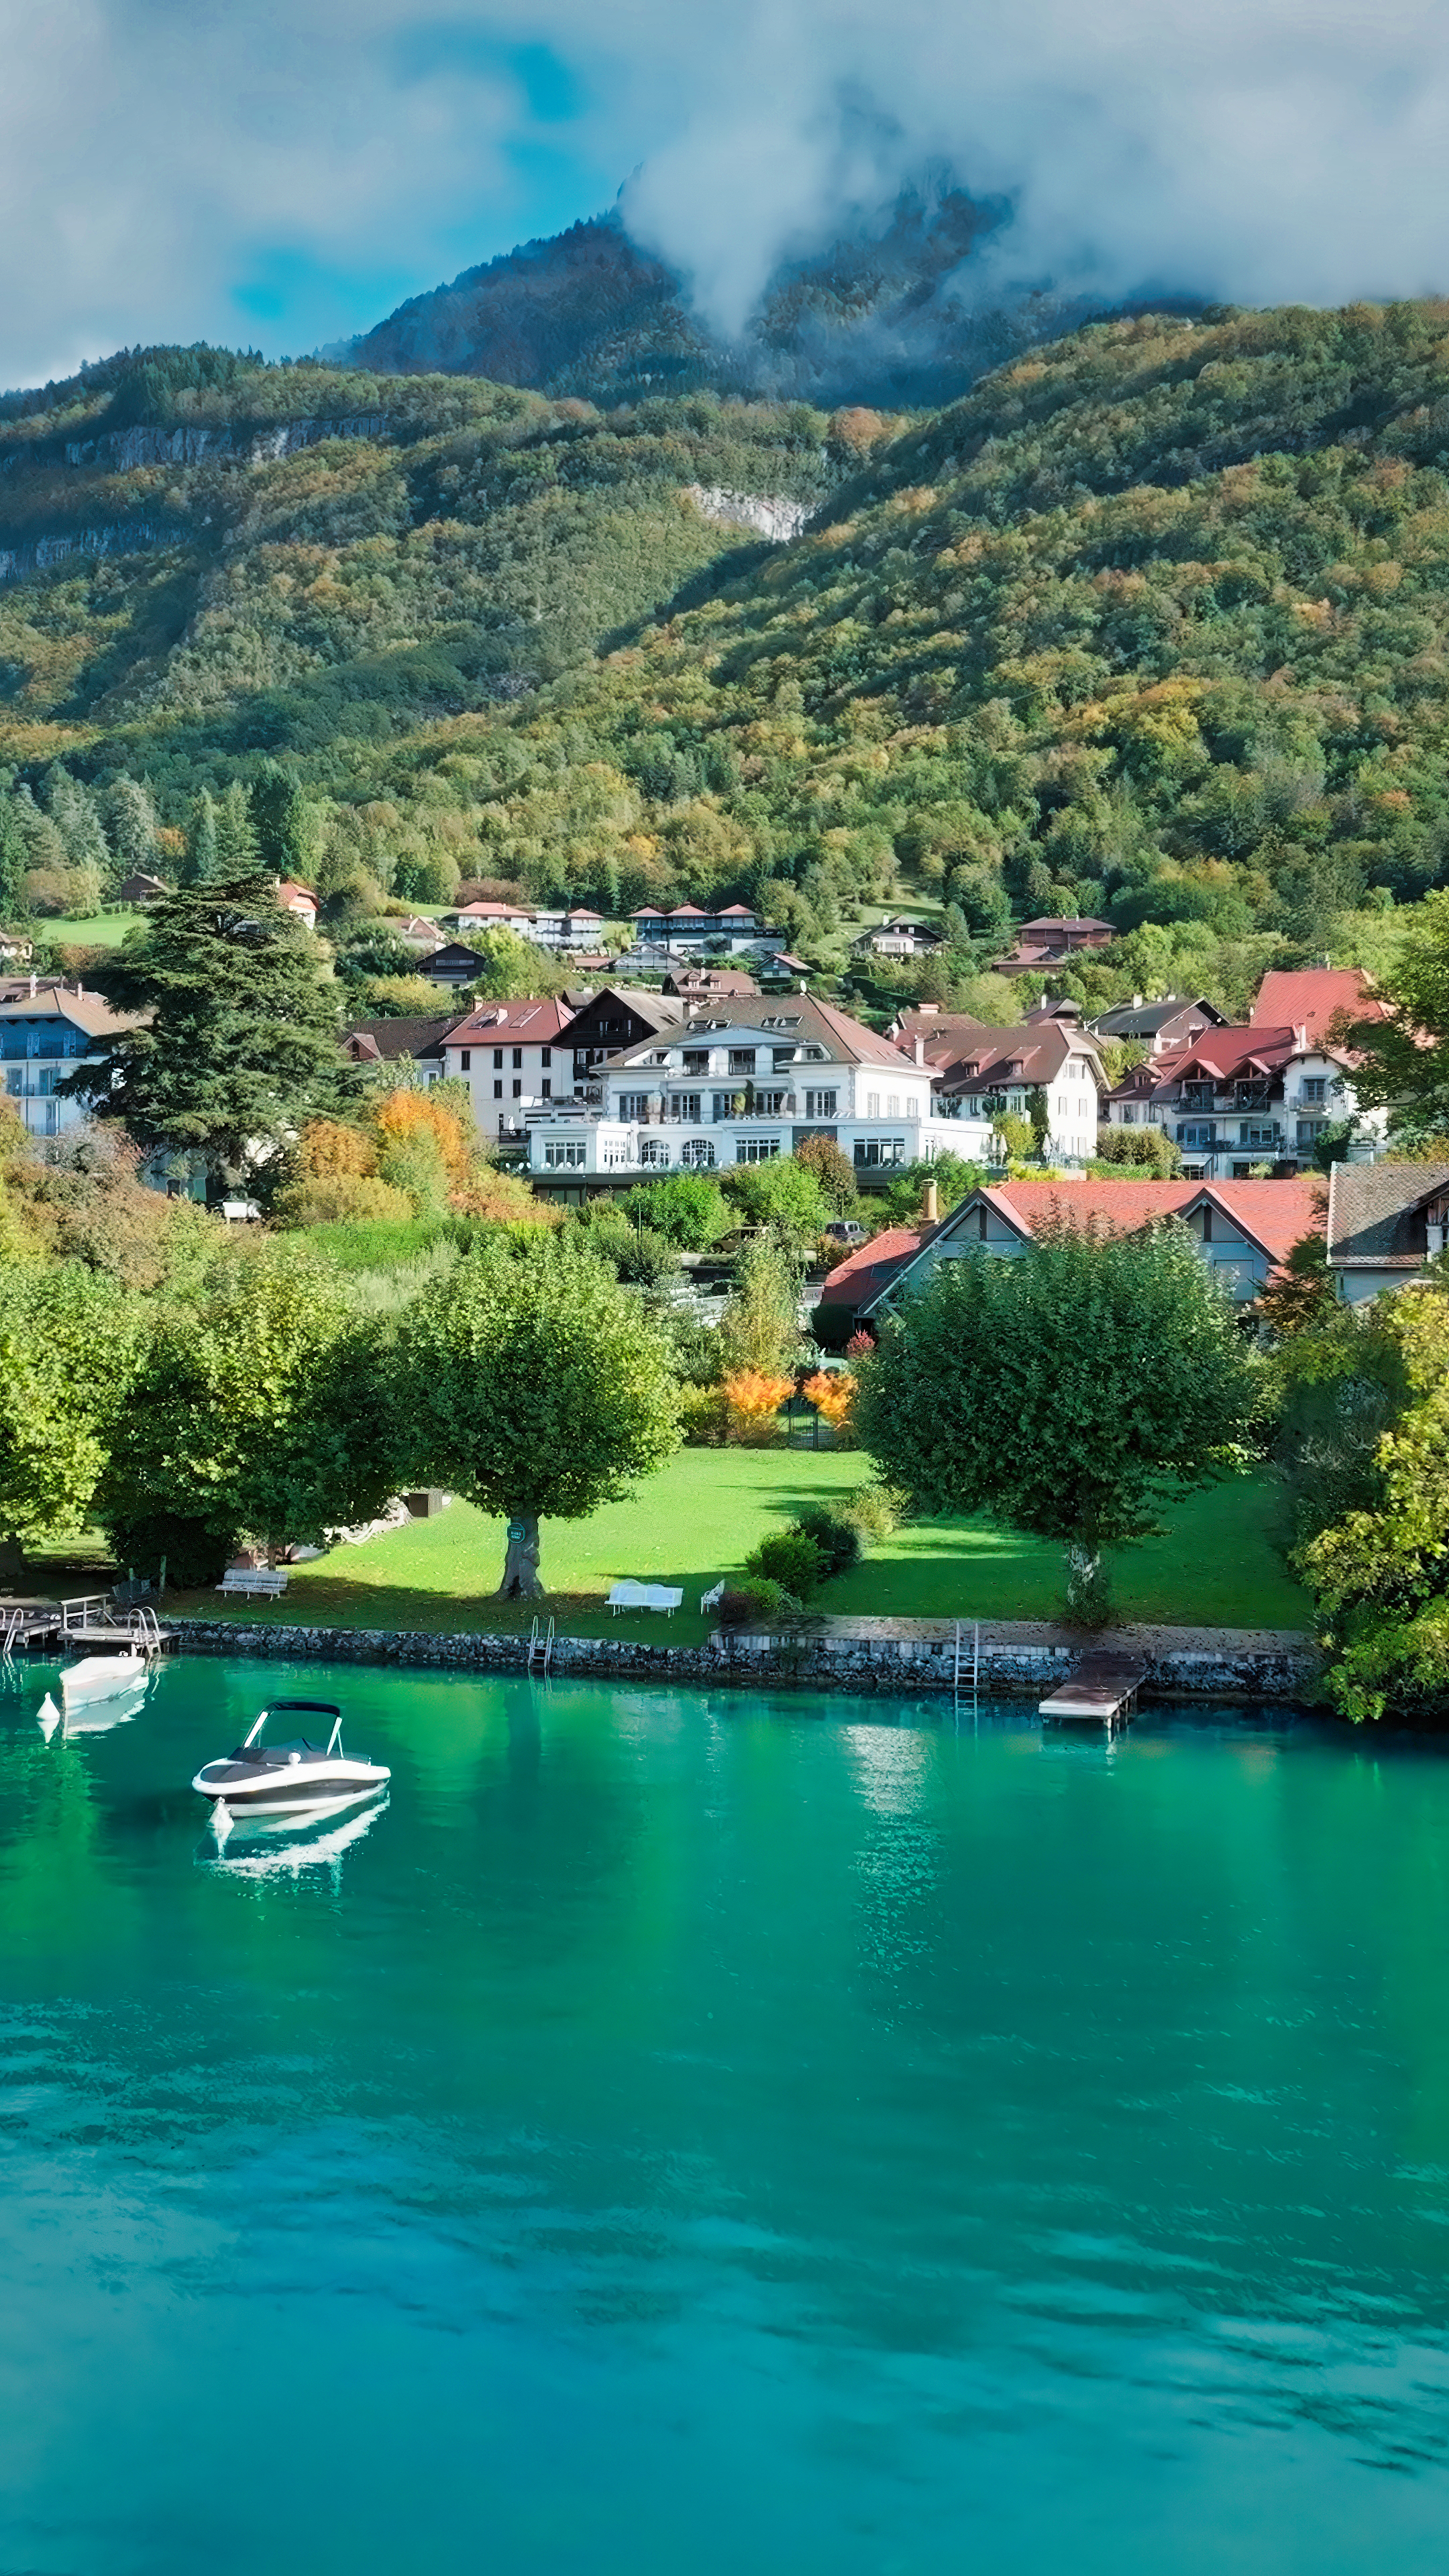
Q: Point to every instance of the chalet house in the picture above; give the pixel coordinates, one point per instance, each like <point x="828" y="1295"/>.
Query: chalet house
<point x="1162" y="1026"/>
<point x="898" y="938"/>
<point x="453" y="964"/>
<point x="300" y="901"/>
<point x="140" y="889"/>
<point x="613" y="1020"/>
<point x="416" y="930"/>
<point x="509" y="1055"/>
<point x="1047" y="942"/>
<point x="745" y="1082"/>
<point x="1243" y="1229"/>
<point x="1240" y="1096"/>
<point x="1385" y="1222"/>
<point x="45" y="1033"/>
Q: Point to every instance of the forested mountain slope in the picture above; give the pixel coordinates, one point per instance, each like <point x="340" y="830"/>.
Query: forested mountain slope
<point x="253" y="557"/>
<point x="870" y="318"/>
<point x="1155" y="622"/>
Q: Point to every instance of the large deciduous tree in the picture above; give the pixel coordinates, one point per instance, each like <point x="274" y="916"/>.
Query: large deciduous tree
<point x="235" y="1042"/>
<point x="68" y="1339"/>
<point x="534" y="1385"/>
<point x="1404" y="1060"/>
<point x="1364" y="1451"/>
<point x="259" y="1411"/>
<point x="1068" y="1390"/>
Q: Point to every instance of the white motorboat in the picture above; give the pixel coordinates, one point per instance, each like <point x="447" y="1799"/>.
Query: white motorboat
<point x="268" y="1779"/>
<point x="101" y="1677"/>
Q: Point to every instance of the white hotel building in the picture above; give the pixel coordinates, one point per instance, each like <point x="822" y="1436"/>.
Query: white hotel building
<point x="744" y="1082"/>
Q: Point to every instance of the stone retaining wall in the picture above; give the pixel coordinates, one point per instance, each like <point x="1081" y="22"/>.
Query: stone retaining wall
<point x="1019" y="1662"/>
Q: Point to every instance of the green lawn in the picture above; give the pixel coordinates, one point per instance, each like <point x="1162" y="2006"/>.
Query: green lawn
<point x="701" y="1516"/>
<point x="101" y="930"/>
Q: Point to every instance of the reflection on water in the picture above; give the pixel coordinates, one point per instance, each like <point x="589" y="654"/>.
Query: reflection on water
<point x="276" y="1847"/>
<point x="722" y="2134"/>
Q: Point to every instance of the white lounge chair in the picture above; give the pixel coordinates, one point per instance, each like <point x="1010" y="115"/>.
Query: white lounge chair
<point x="711" y="1600"/>
<point x="645" y="1596"/>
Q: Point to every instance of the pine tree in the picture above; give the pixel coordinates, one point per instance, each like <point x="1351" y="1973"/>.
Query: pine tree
<point x="202" y="864"/>
<point x="239" y="1040"/>
<point x="14" y="860"/>
<point x="236" y="842"/>
<point x="287" y="827"/>
<point x="72" y="809"/>
<point x="131" y="828"/>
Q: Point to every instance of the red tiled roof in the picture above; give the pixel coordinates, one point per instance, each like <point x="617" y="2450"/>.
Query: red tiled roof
<point x="1310" y="996"/>
<point x="688" y="912"/>
<point x="1223" y="1051"/>
<point x="540" y="1022"/>
<point x="728" y="911"/>
<point x="859" y="1041"/>
<point x="1275" y="1213"/>
<point x="854" y="1281"/>
<point x="287" y="889"/>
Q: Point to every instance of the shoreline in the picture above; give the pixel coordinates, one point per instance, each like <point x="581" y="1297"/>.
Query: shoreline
<point x="1009" y="1658"/>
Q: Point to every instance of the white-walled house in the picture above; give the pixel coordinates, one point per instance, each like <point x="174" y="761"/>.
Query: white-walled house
<point x="1239" y="1097"/>
<point x="981" y="1071"/>
<point x="44" y="1035"/>
<point x="510" y="1056"/>
<point x="573" y="928"/>
<point x="746" y="1082"/>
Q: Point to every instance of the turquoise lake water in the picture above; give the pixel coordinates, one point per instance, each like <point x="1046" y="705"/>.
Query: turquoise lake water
<point x="690" y="2135"/>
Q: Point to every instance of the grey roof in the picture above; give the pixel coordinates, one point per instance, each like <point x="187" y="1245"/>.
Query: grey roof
<point x="802" y="1017"/>
<point x="390" y="1040"/>
<point x="1375" y="1213"/>
<point x="1144" y="1019"/>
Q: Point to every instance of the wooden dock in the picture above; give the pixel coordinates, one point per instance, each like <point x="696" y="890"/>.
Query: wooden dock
<point x="1099" y="1691"/>
<point x="93" y="1619"/>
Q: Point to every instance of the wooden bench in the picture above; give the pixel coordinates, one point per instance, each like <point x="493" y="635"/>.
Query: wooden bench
<point x="645" y="1596"/>
<point x="245" y="1581"/>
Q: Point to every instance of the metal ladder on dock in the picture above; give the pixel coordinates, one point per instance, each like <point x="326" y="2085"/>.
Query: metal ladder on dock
<point x="540" y="1648"/>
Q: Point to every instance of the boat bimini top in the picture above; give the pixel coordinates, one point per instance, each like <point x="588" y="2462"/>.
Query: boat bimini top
<point x="293" y="1772"/>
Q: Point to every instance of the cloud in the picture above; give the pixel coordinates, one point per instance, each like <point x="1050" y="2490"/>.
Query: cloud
<point x="171" y="169"/>
<point x="1255" y="150"/>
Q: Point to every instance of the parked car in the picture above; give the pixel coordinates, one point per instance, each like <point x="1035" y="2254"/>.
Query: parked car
<point x="846" y="1229"/>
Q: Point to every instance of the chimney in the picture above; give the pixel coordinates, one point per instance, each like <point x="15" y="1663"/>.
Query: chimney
<point x="32" y="988"/>
<point x="931" y="1205"/>
<point x="1136" y="1001"/>
<point x="918" y="1050"/>
<point x="1300" y="1039"/>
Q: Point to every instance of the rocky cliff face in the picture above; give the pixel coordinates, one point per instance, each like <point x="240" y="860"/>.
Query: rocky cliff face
<point x="872" y="319"/>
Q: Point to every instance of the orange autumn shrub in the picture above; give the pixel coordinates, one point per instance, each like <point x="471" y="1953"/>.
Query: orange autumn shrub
<point x="754" y="1398"/>
<point x="409" y="1118"/>
<point x="328" y="1151"/>
<point x="833" y="1395"/>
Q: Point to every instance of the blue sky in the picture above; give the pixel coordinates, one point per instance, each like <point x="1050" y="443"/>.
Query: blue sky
<point x="284" y="172"/>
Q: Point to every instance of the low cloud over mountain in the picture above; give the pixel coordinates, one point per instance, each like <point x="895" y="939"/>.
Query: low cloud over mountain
<point x="289" y="171"/>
